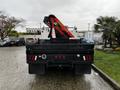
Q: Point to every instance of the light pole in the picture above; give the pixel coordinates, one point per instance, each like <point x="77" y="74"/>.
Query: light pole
<point x="40" y="25"/>
<point x="88" y="26"/>
<point x="88" y="30"/>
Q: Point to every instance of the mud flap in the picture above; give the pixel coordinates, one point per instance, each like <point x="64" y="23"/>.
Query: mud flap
<point x="37" y="69"/>
<point x="82" y="69"/>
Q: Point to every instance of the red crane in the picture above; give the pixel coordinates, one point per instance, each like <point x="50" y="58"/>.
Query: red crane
<point x="61" y="31"/>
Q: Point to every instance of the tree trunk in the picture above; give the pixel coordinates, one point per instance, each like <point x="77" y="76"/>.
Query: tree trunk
<point x="2" y="36"/>
<point x="105" y="43"/>
<point x="118" y="40"/>
<point x="110" y="41"/>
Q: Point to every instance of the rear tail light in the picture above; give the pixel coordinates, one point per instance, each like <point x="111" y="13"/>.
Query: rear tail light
<point x="87" y="57"/>
<point x="31" y="57"/>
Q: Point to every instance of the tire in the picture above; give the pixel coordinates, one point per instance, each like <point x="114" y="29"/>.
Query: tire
<point x="80" y="69"/>
<point x="36" y="69"/>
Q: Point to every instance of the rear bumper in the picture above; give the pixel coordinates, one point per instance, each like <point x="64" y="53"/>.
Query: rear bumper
<point x="51" y="64"/>
<point x="62" y="63"/>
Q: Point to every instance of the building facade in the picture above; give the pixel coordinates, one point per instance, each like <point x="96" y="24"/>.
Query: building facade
<point x="36" y="30"/>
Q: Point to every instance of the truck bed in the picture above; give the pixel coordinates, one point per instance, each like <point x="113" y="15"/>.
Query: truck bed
<point x="68" y="49"/>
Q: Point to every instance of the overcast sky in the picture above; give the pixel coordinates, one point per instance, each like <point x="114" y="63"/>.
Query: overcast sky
<point x="71" y="12"/>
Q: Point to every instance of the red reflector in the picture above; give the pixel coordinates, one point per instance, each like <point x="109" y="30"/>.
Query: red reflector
<point x="59" y="57"/>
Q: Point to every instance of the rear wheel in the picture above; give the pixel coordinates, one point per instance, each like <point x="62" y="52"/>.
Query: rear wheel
<point x="37" y="69"/>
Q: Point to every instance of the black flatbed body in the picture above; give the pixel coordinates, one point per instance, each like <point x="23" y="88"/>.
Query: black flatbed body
<point x="67" y="48"/>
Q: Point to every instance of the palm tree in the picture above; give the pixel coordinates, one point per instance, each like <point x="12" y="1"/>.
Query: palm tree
<point x="106" y="25"/>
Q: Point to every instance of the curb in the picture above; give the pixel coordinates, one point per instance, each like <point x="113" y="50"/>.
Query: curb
<point x="110" y="81"/>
